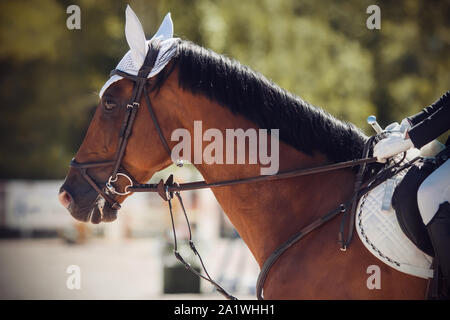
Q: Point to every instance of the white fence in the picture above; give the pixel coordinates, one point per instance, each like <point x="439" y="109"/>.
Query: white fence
<point x="33" y="205"/>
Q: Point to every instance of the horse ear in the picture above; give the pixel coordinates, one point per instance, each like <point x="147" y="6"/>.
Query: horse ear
<point x="135" y="37"/>
<point x="165" y="30"/>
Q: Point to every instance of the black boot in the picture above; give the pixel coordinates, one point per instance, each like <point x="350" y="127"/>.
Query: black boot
<point x="439" y="231"/>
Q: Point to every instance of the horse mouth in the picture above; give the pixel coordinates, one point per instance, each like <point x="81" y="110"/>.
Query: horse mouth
<point x="99" y="211"/>
<point x="84" y="204"/>
<point x="102" y="211"/>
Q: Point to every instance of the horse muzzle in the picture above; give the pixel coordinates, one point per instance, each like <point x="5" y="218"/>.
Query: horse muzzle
<point x="83" y="202"/>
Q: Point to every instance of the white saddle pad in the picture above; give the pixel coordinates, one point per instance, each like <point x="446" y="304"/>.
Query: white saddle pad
<point x="378" y="229"/>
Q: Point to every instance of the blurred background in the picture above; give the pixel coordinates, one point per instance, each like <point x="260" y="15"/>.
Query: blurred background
<point x="319" y="50"/>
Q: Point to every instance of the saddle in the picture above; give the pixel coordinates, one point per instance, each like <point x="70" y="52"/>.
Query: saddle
<point x="388" y="220"/>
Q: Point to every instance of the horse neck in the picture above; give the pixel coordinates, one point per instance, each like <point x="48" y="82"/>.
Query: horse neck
<point x="265" y="214"/>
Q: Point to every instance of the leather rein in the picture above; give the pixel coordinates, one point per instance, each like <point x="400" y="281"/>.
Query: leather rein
<point x="167" y="190"/>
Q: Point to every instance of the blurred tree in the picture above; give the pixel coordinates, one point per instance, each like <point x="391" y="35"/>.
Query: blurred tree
<point x="319" y="50"/>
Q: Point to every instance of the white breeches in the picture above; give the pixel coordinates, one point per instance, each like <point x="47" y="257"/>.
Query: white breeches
<point x="433" y="191"/>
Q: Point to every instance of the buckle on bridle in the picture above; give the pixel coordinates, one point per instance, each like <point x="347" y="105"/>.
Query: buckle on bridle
<point x="111" y="188"/>
<point x="134" y="105"/>
<point x="169" y="195"/>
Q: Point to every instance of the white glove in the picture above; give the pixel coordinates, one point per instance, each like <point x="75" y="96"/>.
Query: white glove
<point x="392" y="145"/>
<point x="405" y="125"/>
<point x="402" y="127"/>
<point x="394" y="126"/>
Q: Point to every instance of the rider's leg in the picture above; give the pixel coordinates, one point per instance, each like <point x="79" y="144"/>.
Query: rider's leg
<point x="433" y="199"/>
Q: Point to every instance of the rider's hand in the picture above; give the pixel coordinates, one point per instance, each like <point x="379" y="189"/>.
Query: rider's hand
<point x="395" y="127"/>
<point x="405" y="125"/>
<point x="394" y="144"/>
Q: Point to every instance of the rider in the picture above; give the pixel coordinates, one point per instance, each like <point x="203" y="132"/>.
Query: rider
<point x="433" y="196"/>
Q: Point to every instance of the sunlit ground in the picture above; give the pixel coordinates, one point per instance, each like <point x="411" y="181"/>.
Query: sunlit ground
<point x="127" y="269"/>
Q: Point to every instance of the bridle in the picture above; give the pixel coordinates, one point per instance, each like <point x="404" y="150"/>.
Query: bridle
<point x="168" y="189"/>
<point x="140" y="81"/>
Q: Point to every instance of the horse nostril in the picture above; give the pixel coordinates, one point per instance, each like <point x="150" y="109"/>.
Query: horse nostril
<point x="64" y="198"/>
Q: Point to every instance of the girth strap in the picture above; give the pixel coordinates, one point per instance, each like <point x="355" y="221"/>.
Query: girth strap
<point x="293" y="240"/>
<point x="354" y="200"/>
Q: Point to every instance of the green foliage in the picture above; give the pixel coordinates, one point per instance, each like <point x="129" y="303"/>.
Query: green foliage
<point x="319" y="50"/>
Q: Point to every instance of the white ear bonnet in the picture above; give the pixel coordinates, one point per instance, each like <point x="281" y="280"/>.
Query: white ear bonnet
<point x="132" y="61"/>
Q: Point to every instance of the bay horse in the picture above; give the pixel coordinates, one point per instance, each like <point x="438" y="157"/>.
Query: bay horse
<point x="199" y="84"/>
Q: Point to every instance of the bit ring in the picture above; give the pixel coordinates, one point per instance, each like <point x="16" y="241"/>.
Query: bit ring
<point x="112" y="180"/>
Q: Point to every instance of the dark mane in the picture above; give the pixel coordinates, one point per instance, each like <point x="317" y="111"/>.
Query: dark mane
<point x="246" y="92"/>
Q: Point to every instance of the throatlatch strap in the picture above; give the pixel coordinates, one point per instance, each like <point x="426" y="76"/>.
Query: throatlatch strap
<point x="156" y="123"/>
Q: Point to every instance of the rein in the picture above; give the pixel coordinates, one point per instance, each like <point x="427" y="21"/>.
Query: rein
<point x="167" y="190"/>
<point x="163" y="188"/>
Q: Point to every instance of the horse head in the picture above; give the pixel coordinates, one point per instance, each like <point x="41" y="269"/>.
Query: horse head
<point x="110" y="158"/>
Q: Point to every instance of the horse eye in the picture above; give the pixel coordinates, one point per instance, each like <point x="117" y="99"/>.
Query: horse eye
<point x="109" y="105"/>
